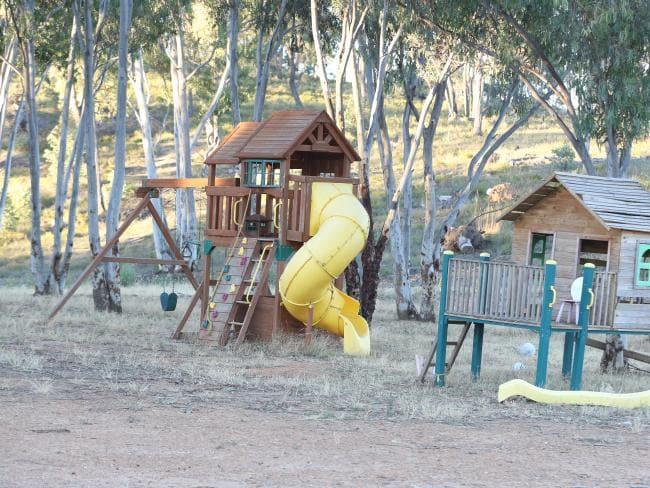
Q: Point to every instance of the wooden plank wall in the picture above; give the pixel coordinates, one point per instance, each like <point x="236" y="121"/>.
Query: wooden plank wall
<point x="562" y="215"/>
<point x="627" y="268"/>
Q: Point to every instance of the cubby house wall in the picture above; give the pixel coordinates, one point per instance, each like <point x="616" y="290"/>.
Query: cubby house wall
<point x="563" y="216"/>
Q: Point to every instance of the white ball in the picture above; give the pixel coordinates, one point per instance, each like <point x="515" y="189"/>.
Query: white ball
<point x="526" y="349"/>
<point x="518" y="366"/>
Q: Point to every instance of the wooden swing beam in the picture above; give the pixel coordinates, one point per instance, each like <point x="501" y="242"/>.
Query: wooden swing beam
<point x="147" y="190"/>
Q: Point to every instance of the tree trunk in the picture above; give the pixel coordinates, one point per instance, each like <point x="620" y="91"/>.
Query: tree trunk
<point x="9" y="157"/>
<point x="119" y="170"/>
<point x="6" y="73"/>
<point x="216" y="99"/>
<point x="55" y="282"/>
<point x="140" y="88"/>
<point x="233" y="39"/>
<point x="451" y="99"/>
<point x="187" y="212"/>
<point x="477" y="99"/>
<point x="37" y="261"/>
<point x="429" y="249"/>
<point x="100" y="294"/>
<point x="264" y="63"/>
<point x="467" y="90"/>
<point x="293" y="77"/>
<point x="320" y="61"/>
<point x="403" y="294"/>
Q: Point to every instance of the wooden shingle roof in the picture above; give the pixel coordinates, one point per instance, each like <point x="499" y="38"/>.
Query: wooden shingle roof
<point x="283" y="133"/>
<point x="226" y="152"/>
<point x="616" y="203"/>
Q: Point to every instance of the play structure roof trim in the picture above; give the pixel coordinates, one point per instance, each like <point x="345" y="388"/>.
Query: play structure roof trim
<point x="276" y="137"/>
<point x="616" y="203"/>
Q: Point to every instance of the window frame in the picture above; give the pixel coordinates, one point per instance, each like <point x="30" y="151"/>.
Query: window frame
<point x="641" y="248"/>
<point x="276" y="165"/>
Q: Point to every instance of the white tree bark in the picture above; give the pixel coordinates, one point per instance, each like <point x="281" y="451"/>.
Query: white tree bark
<point x="264" y="62"/>
<point x="233" y="39"/>
<point x="477" y="98"/>
<point x="100" y="296"/>
<point x="10" y="152"/>
<point x="186" y="212"/>
<point x="6" y="72"/>
<point x="320" y="61"/>
<point x="37" y="260"/>
<point x="213" y="104"/>
<point x="140" y="89"/>
<point x="55" y="273"/>
<point x="119" y="169"/>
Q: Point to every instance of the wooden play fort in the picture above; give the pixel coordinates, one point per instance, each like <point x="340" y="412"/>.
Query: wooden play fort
<point x="287" y="225"/>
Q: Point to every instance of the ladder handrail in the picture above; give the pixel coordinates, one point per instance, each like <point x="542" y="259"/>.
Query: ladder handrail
<point x="257" y="268"/>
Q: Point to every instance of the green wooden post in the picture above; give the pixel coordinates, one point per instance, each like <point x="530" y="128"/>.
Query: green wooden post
<point x="548" y="300"/>
<point x="477" y="346"/>
<point x="441" y="346"/>
<point x="586" y="302"/>
<point x="567" y="356"/>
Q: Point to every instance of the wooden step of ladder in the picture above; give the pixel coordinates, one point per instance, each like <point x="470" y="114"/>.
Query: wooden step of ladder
<point x="457" y="345"/>
<point x="249" y="292"/>
<point x="230" y="281"/>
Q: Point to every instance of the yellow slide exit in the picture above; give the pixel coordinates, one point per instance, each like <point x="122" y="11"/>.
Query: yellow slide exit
<point x="339" y="225"/>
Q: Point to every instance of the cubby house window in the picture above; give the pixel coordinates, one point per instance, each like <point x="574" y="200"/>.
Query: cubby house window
<point x="262" y="173"/>
<point x="541" y="248"/>
<point x="593" y="251"/>
<point x="643" y="266"/>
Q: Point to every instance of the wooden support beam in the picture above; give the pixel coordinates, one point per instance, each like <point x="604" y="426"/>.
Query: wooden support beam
<point x="164" y="262"/>
<point x="146" y="202"/>
<point x="188" y="312"/>
<point x="309" y="327"/>
<point x="170" y="242"/>
<point x="637" y="356"/>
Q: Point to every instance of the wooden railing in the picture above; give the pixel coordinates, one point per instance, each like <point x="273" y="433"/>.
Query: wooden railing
<point x="495" y="291"/>
<point x="227" y="207"/>
<point x="604" y="288"/>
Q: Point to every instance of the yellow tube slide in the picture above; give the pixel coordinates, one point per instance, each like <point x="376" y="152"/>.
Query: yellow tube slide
<point x="339" y="226"/>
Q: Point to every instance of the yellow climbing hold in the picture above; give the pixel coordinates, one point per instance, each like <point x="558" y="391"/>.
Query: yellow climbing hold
<point x="232" y="288"/>
<point x="597" y="398"/>
<point x="241" y="251"/>
<point x="244" y="240"/>
<point x="212" y="305"/>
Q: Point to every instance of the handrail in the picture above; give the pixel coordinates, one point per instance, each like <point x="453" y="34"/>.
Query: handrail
<point x="257" y="269"/>
<point x="275" y="215"/>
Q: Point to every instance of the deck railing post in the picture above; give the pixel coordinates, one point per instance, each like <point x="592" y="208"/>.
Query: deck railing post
<point x="586" y="302"/>
<point x="548" y="300"/>
<point x="441" y="347"/>
<point x="477" y="345"/>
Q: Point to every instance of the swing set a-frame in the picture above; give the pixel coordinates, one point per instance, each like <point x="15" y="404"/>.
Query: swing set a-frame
<point x="150" y="189"/>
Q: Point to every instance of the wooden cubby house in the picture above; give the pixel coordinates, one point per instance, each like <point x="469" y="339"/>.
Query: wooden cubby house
<point x="577" y="219"/>
<point x="262" y="215"/>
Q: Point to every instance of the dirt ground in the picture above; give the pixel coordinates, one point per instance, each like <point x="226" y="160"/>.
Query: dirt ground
<point x="79" y="437"/>
<point x="96" y="400"/>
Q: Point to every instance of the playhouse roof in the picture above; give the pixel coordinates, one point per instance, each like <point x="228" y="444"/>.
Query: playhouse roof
<point x="281" y="134"/>
<point x="616" y="203"/>
<point x="226" y="152"/>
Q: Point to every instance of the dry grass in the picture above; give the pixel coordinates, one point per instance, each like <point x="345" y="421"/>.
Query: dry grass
<point x="131" y="356"/>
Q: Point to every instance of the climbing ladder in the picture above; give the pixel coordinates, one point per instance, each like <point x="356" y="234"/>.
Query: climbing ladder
<point x="247" y="295"/>
<point x="457" y="345"/>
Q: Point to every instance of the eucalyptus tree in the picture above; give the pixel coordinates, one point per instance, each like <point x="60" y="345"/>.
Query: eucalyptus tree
<point x="37" y="29"/>
<point x="596" y="49"/>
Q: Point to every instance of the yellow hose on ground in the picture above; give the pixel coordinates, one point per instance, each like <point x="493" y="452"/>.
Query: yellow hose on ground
<point x="339" y="225"/>
<point x="541" y="395"/>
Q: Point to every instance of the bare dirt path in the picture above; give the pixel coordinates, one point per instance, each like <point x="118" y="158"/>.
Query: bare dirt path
<point x="97" y="439"/>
